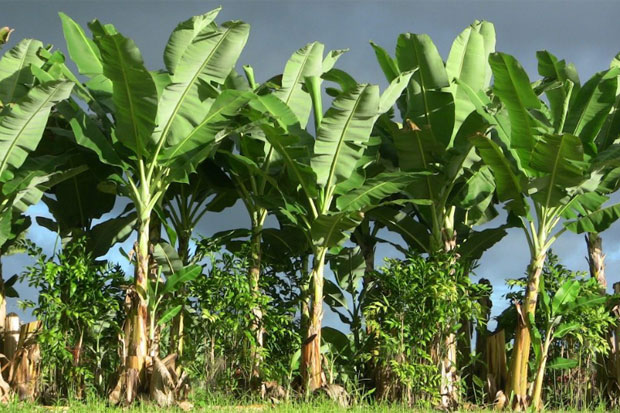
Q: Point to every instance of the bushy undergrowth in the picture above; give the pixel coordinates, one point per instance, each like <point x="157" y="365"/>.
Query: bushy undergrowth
<point x="80" y="306"/>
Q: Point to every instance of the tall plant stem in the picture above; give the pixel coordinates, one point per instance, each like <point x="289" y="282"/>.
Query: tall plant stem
<point x="596" y="259"/>
<point x="517" y="380"/>
<point x="254" y="274"/>
<point x="311" y="367"/>
<point x="449" y="372"/>
<point x="135" y="371"/>
<point x="304" y="294"/>
<point x="540" y="375"/>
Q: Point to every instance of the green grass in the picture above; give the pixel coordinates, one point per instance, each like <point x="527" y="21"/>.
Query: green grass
<point x="311" y="407"/>
<point x="92" y="407"/>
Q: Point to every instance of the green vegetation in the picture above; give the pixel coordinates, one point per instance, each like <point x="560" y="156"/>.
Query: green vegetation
<point x="235" y="320"/>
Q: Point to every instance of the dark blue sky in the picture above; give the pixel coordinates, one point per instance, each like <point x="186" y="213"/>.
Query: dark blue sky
<point x="586" y="33"/>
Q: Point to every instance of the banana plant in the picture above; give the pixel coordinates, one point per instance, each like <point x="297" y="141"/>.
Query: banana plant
<point x="25" y="104"/>
<point x="607" y="136"/>
<point x="547" y="168"/>
<point x="434" y="136"/>
<point x="156" y="126"/>
<point x="324" y="192"/>
<point x="568" y="299"/>
<point x="438" y="119"/>
<point x="254" y="166"/>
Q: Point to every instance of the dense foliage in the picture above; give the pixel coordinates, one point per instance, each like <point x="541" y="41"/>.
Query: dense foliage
<point x="80" y="305"/>
<point x="289" y="305"/>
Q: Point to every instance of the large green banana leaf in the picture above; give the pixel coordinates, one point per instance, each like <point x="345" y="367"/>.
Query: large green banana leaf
<point x="22" y="126"/>
<point x="208" y="57"/>
<point x="468" y="62"/>
<point x="134" y="93"/>
<point x="306" y="62"/>
<point x="15" y="74"/>
<point x="429" y="101"/>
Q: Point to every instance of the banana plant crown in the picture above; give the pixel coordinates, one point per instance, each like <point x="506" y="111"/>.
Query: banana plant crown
<point x="438" y="119"/>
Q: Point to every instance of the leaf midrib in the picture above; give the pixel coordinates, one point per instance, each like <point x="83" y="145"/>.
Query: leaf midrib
<point x="21" y="66"/>
<point x="21" y="130"/>
<point x="204" y="122"/>
<point x="298" y="75"/>
<point x="125" y="77"/>
<point x="334" y="163"/>
<point x="177" y="107"/>
<point x="364" y="193"/>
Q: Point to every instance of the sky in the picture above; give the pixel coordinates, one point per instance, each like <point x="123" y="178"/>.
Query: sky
<point x="585" y="33"/>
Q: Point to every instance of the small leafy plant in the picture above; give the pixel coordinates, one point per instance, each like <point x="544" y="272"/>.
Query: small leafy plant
<point x="80" y="307"/>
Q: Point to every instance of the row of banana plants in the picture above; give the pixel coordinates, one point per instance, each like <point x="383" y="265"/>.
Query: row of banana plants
<point x="431" y="158"/>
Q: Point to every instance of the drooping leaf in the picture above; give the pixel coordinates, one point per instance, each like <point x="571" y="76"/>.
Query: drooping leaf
<point x="334" y="297"/>
<point x="375" y="190"/>
<point x="509" y="185"/>
<point x="564" y="329"/>
<point x="596" y="221"/>
<point x="21" y="128"/>
<point x="478" y="242"/>
<point x="167" y="258"/>
<point x="15" y="73"/>
<point x="561" y="363"/>
<point x="565" y="296"/>
<point x="536" y="336"/>
<point x="170" y="314"/>
<point x="414" y="233"/>
<point x="592" y="105"/>
<point x="339" y="341"/>
<point x="104" y="235"/>
<point x="330" y="230"/>
<point x="180" y="277"/>
<point x="88" y="134"/>
<point x="349" y="267"/>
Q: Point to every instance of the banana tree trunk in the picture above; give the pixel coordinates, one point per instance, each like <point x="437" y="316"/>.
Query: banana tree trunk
<point x="311" y="366"/>
<point x="138" y="340"/>
<point x="596" y="259"/>
<point x="256" y="327"/>
<point x="449" y="373"/>
<point x="517" y="379"/>
<point x="596" y="262"/>
<point x="304" y="295"/>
